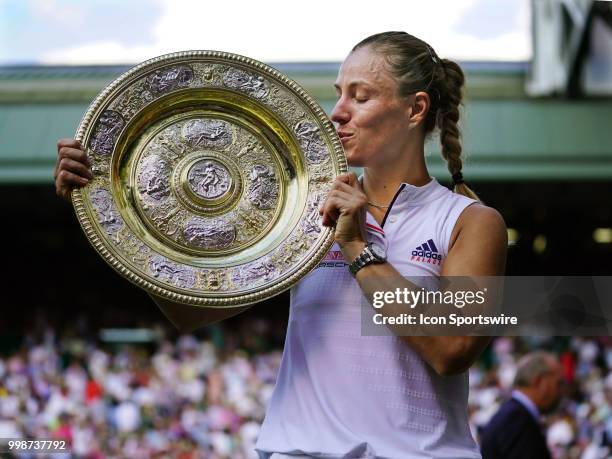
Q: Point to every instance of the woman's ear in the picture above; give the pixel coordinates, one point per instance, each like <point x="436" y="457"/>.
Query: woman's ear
<point x="419" y="105"/>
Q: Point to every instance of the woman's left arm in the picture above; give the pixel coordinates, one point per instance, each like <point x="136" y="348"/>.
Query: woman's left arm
<point x="478" y="248"/>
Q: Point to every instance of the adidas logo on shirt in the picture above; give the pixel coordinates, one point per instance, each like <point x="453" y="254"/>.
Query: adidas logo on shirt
<point x="427" y="252"/>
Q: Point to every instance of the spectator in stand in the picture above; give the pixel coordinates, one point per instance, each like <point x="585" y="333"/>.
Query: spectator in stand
<point x="516" y="431"/>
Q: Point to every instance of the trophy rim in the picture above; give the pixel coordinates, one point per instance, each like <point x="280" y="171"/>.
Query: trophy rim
<point x="222" y="300"/>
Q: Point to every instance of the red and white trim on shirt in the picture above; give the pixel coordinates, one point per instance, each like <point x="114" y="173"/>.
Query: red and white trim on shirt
<point x="375" y="228"/>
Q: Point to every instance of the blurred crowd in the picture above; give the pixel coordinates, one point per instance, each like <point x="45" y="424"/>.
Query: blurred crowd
<point x="204" y="396"/>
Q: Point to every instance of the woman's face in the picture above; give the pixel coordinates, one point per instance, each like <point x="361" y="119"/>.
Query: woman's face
<point x="370" y="117"/>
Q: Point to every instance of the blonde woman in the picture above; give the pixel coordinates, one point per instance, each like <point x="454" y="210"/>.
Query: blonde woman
<point x="338" y="393"/>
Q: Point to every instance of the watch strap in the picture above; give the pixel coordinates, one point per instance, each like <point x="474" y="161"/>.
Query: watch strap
<point x="363" y="259"/>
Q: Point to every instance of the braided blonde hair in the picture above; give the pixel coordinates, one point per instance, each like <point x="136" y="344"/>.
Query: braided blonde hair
<point x="416" y="67"/>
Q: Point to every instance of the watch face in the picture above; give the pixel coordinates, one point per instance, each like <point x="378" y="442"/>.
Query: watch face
<point x="378" y="251"/>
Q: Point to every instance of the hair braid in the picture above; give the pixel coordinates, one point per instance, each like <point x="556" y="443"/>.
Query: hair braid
<point x="451" y="92"/>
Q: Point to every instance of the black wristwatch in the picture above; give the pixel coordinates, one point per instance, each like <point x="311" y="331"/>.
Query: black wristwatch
<point x="371" y="253"/>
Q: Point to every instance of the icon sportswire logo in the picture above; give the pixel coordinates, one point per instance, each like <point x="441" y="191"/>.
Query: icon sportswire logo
<point x="427" y="252"/>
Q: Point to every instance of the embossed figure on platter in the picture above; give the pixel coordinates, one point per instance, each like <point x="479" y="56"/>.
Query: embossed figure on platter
<point x="250" y="222"/>
<point x="153" y="178"/>
<point x="136" y="250"/>
<point x="312" y="223"/>
<point x="310" y="139"/>
<point x="252" y="84"/>
<point x="108" y="216"/>
<point x="169" y="79"/>
<point x="167" y="218"/>
<point x="164" y="269"/>
<point x="209" y="179"/>
<point x="293" y="251"/>
<point x="106" y="132"/>
<point x="215" y="234"/>
<point x="264" y="189"/>
<point x="132" y="101"/>
<point x="251" y="148"/>
<point x="206" y="133"/>
<point x="255" y="272"/>
<point x="169" y="140"/>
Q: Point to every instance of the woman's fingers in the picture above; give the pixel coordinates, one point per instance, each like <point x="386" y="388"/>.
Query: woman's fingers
<point x="72" y="168"/>
<point x="349" y="178"/>
<point x="338" y="202"/>
<point x="345" y="197"/>
<point x="340" y="185"/>
<point x="71" y="149"/>
<point x="71" y="143"/>
<point x="75" y="167"/>
<point x="66" y="181"/>
<point x="73" y="153"/>
<point x="330" y="211"/>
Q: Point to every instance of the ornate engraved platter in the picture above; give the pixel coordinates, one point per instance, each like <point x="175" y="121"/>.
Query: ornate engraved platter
<point x="209" y="169"/>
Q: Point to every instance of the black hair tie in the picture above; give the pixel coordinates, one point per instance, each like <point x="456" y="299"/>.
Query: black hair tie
<point x="458" y="178"/>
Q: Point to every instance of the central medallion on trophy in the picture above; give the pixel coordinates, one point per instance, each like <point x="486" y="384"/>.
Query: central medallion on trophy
<point x="208" y="182"/>
<point x="209" y="179"/>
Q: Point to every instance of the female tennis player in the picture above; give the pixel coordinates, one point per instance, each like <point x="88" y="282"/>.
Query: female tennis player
<point x="341" y="394"/>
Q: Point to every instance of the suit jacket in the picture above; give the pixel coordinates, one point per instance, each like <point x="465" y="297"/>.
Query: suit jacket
<point x="513" y="433"/>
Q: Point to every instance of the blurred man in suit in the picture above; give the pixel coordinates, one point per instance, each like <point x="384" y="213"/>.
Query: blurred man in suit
<point x="516" y="430"/>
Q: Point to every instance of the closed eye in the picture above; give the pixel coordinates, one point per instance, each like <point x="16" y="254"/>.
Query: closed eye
<point x="338" y="91"/>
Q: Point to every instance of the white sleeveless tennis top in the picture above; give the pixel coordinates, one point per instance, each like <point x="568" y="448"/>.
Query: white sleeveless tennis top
<point x="343" y="395"/>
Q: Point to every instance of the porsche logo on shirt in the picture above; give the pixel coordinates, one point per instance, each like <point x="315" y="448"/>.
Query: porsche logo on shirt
<point x="333" y="259"/>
